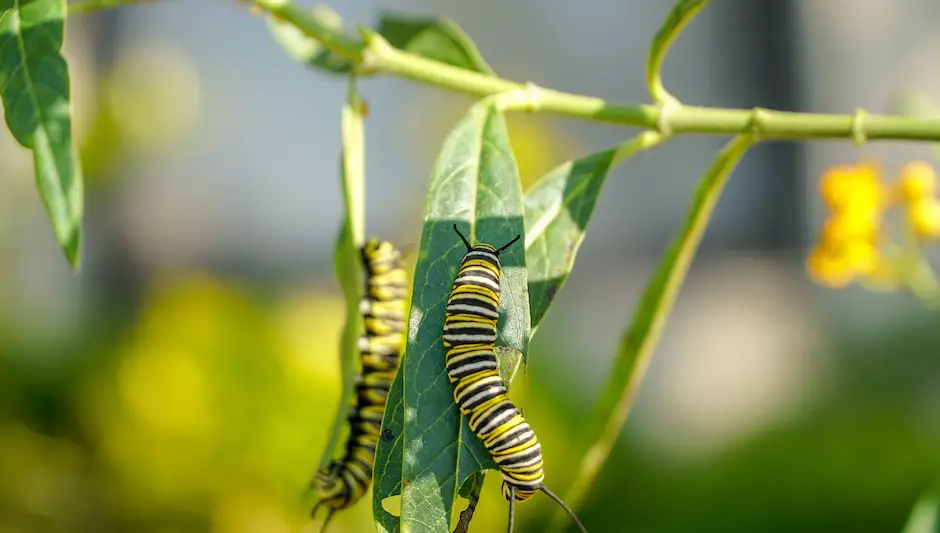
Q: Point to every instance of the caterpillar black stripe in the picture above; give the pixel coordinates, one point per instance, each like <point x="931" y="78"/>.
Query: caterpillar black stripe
<point x="343" y="482"/>
<point x="479" y="391"/>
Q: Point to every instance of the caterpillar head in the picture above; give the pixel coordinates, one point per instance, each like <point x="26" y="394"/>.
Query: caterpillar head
<point x="485" y="249"/>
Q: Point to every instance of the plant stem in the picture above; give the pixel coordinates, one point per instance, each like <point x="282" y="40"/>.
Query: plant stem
<point x="89" y="6"/>
<point x="374" y="55"/>
<point x="641" y="337"/>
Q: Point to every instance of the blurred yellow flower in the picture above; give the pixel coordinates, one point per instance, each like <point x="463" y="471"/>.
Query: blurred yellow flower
<point x="145" y="377"/>
<point x="917" y="186"/>
<point x="851" y="226"/>
<point x="918" y="181"/>
<point x="153" y="93"/>
<point x="924" y="218"/>
<point x="827" y="269"/>
<point x="218" y="404"/>
<point x="852" y="187"/>
<point x="848" y="244"/>
<point x="852" y="242"/>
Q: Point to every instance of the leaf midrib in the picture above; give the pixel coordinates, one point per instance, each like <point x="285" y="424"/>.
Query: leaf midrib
<point x="40" y="136"/>
<point x="461" y="438"/>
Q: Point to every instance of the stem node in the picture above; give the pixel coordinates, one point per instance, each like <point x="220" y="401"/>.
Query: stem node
<point x="759" y="118"/>
<point x="663" y="126"/>
<point x="858" y="126"/>
<point x="374" y="46"/>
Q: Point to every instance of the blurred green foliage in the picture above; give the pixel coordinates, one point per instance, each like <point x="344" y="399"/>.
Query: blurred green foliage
<point x="208" y="409"/>
<point x="205" y="406"/>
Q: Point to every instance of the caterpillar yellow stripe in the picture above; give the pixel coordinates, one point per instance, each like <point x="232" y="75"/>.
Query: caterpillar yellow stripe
<point x="345" y="481"/>
<point x="480" y="393"/>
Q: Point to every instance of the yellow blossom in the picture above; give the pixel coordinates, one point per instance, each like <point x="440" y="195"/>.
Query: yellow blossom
<point x="852" y="243"/>
<point x="848" y="242"/>
<point x="856" y="187"/>
<point x="918" y="181"/>
<point x="828" y="269"/>
<point x="923" y="217"/>
<point x="851" y="225"/>
<point x="861" y="256"/>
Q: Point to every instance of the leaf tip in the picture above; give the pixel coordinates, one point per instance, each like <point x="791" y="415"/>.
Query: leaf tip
<point x="71" y="246"/>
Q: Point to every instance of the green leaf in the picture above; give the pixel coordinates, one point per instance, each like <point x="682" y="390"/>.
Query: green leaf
<point x="387" y="469"/>
<point x="305" y="49"/>
<point x="924" y="517"/>
<point x="682" y="12"/>
<point x="34" y="86"/>
<point x="346" y="260"/>
<point x="640" y="339"/>
<point x="475" y="184"/>
<point x="438" y="39"/>
<point x="558" y="209"/>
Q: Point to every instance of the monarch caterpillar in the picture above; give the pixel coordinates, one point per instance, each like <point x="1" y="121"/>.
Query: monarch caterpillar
<point x="480" y="393"/>
<point x="343" y="482"/>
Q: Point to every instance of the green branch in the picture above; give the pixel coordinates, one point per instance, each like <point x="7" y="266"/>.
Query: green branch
<point x="373" y="55"/>
<point x="89" y="6"/>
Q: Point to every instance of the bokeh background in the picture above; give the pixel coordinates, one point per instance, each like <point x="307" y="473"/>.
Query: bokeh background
<point x="186" y="378"/>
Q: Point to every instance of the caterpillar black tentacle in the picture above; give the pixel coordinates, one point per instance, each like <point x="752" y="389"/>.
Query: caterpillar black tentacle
<point x="343" y="482"/>
<point x="480" y="393"/>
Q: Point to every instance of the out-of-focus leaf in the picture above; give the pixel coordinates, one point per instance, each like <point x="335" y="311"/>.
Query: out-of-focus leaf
<point x="305" y="49"/>
<point x="639" y="340"/>
<point x="558" y="209"/>
<point x="682" y="12"/>
<point x="475" y="185"/>
<point x="924" y="517"/>
<point x="34" y="86"/>
<point x="439" y="39"/>
<point x="346" y="259"/>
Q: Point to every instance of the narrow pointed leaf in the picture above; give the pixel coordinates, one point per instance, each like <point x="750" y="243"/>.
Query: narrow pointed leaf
<point x="347" y="262"/>
<point x="924" y="517"/>
<point x="682" y="12"/>
<point x="640" y="338"/>
<point x="34" y="86"/>
<point x="439" y="39"/>
<point x="558" y="209"/>
<point x="475" y="184"/>
<point x="307" y="50"/>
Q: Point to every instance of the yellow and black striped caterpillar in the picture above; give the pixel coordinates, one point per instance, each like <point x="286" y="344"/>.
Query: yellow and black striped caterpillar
<point x="343" y="482"/>
<point x="480" y="393"/>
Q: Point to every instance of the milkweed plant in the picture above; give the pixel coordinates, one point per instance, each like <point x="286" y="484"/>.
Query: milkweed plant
<point x="427" y="460"/>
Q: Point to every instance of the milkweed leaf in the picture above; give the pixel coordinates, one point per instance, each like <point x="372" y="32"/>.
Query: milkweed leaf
<point x="346" y="259"/>
<point x="439" y="39"/>
<point x="34" y="86"/>
<point x="558" y="208"/>
<point x="475" y="185"/>
<point x="307" y="50"/>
